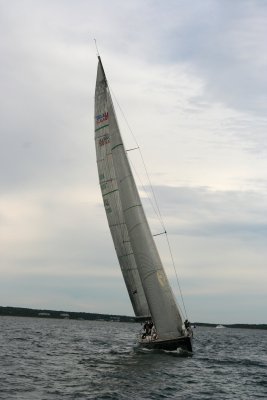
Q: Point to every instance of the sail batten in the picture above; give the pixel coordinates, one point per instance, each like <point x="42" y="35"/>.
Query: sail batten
<point x="102" y="127"/>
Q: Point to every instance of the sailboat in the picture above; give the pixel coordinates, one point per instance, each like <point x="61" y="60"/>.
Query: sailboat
<point x="149" y="290"/>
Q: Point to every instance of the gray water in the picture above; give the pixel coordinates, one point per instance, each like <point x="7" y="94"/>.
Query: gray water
<point x="66" y="359"/>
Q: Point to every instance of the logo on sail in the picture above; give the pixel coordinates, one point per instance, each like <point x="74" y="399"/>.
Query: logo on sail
<point x="101" y="117"/>
<point x="104" y="140"/>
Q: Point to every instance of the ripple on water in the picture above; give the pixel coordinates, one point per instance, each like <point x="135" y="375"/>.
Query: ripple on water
<point x="63" y="359"/>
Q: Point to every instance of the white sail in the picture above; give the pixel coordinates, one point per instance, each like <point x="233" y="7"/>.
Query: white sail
<point x="158" y="293"/>
<point x="111" y="199"/>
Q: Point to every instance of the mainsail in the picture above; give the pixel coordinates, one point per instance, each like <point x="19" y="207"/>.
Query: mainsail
<point x="142" y="269"/>
<point x="109" y="188"/>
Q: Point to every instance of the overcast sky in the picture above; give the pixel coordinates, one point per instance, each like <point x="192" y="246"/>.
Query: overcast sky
<point x="191" y="79"/>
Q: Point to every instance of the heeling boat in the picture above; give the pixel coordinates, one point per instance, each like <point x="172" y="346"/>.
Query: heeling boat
<point x="146" y="281"/>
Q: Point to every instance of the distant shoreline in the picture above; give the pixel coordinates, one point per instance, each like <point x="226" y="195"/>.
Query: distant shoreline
<point x="40" y="313"/>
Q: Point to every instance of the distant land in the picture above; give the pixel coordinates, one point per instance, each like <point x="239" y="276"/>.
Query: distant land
<point x="30" y="312"/>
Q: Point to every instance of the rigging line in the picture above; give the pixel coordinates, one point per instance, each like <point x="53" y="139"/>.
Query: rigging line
<point x="165" y="232"/>
<point x="142" y="159"/>
<point x="178" y="283"/>
<point x="147" y="193"/>
<point x="125" y="119"/>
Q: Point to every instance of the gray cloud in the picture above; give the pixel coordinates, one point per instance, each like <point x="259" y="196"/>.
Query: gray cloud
<point x="194" y="80"/>
<point x="227" y="47"/>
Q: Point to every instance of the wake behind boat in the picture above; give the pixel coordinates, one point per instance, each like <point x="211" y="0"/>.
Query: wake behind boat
<point x="146" y="281"/>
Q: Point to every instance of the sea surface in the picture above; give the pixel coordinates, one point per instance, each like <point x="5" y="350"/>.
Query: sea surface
<point x="66" y="359"/>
